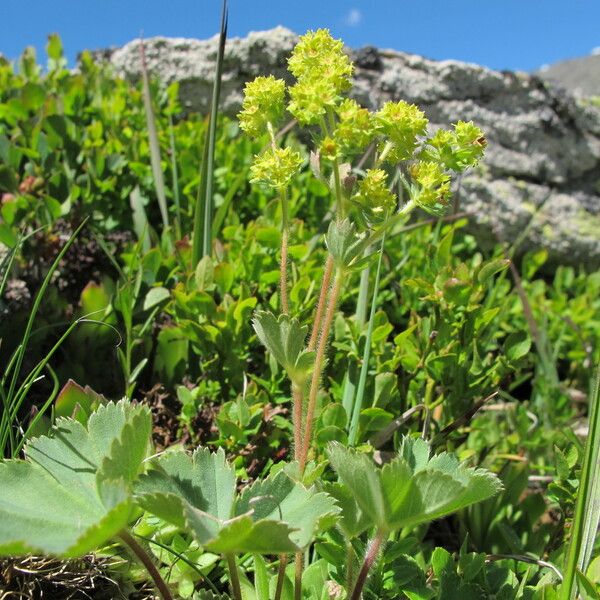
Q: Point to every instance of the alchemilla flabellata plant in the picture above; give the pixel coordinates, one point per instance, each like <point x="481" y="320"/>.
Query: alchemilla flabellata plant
<point x="409" y="168"/>
<point x="86" y="483"/>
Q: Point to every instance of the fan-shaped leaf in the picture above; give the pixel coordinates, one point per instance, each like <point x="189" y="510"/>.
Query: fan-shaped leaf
<point x="273" y="516"/>
<point x="61" y="501"/>
<point x="412" y="488"/>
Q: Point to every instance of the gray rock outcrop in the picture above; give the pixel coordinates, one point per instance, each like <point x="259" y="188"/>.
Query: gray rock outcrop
<point x="581" y="76"/>
<point x="540" y="181"/>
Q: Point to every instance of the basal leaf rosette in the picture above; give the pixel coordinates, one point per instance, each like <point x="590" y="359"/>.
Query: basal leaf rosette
<point x="198" y="492"/>
<point x="414" y="487"/>
<point x="72" y="494"/>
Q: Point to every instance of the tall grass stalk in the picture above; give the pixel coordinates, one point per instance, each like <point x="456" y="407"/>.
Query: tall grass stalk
<point x="175" y="177"/>
<point x="362" y="382"/>
<point x="587" y="508"/>
<point x="202" y="236"/>
<point x="155" y="159"/>
<point x="360" y="316"/>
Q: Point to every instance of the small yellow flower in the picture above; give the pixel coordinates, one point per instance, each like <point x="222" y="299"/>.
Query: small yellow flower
<point x="402" y="124"/>
<point x="457" y="150"/>
<point x="431" y="187"/>
<point x="263" y="103"/>
<point x="319" y="56"/>
<point x="275" y="167"/>
<point x="309" y="99"/>
<point x="355" y="128"/>
<point x="374" y="197"/>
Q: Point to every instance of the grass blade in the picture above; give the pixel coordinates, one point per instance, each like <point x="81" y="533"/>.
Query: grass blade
<point x="17" y="360"/>
<point x="587" y="508"/>
<point x="140" y="220"/>
<point x="157" y="174"/>
<point x="175" y="176"/>
<point x="202" y="239"/>
<point x="362" y="382"/>
<point x="349" y="389"/>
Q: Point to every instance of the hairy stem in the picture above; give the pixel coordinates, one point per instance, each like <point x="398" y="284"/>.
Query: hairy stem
<point x="148" y="563"/>
<point x="349" y="565"/>
<point x="299" y="564"/>
<point x="234" y="578"/>
<point x="297" y="405"/>
<point x="327" y="273"/>
<point x="316" y="375"/>
<point x="370" y="558"/>
<point x="283" y="561"/>
<point x="339" y="204"/>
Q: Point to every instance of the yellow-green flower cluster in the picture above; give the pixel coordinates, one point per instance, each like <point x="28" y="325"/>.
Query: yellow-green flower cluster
<point x="275" y="167"/>
<point x="374" y="197"/>
<point x="402" y="124"/>
<point x="264" y="102"/>
<point x="355" y="128"/>
<point x="458" y="149"/>
<point x="431" y="186"/>
<point x="323" y="72"/>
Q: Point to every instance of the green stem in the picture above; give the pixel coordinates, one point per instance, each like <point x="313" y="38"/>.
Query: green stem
<point x="339" y="204"/>
<point x="234" y="577"/>
<point x="349" y="565"/>
<point x="386" y="150"/>
<point x="283" y="268"/>
<point x="370" y="558"/>
<point x="148" y="563"/>
<point x="386" y="226"/>
<point x="320" y="356"/>
<point x="272" y="135"/>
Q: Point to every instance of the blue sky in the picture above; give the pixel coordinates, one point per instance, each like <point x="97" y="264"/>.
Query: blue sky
<point x="502" y="34"/>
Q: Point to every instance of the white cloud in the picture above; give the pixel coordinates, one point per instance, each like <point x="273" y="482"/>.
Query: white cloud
<point x="354" y="17"/>
<point x="596" y="50"/>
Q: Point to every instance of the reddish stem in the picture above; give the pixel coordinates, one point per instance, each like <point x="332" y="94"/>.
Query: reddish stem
<point x="297" y="402"/>
<point x="370" y="558"/>
<point x="316" y="376"/>
<point x="327" y="273"/>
